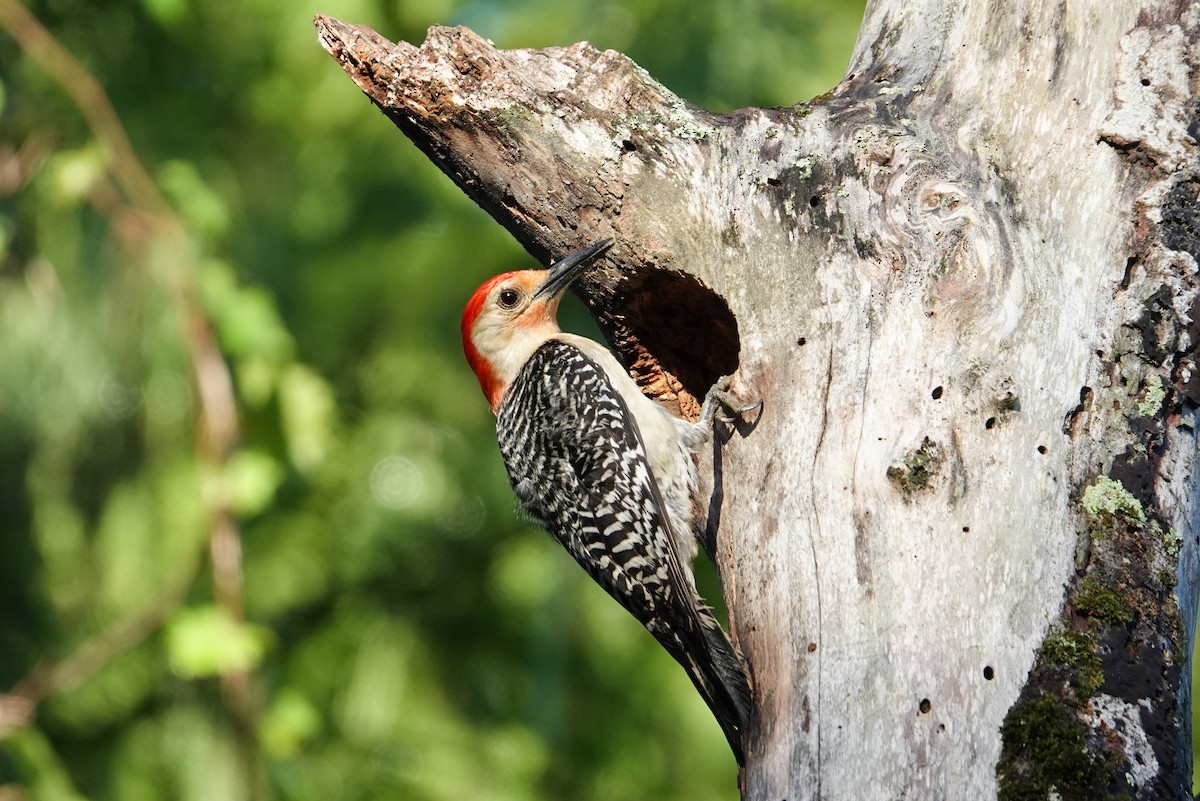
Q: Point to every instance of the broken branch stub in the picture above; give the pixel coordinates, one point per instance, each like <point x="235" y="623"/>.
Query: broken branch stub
<point x="544" y="140"/>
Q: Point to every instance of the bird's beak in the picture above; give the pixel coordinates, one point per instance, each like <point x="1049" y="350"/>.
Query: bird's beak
<point x="560" y="274"/>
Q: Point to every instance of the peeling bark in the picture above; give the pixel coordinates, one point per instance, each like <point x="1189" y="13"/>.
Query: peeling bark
<point x="964" y="284"/>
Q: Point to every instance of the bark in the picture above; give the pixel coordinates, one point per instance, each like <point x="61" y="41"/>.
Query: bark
<point x="959" y="548"/>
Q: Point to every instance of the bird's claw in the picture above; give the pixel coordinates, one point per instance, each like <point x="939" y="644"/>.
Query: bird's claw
<point x="718" y="394"/>
<point x="738" y="411"/>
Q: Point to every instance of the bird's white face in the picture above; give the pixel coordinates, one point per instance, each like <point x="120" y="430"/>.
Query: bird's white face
<point x="504" y="324"/>
<point x="511" y="315"/>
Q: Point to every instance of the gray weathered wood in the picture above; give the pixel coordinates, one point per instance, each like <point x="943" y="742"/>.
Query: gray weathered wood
<point x="964" y="285"/>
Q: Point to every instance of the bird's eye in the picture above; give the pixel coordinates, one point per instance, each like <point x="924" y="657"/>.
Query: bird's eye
<point x="508" y="298"/>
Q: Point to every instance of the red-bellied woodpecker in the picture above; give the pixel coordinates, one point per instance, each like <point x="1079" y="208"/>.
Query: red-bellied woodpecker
<point x="607" y="471"/>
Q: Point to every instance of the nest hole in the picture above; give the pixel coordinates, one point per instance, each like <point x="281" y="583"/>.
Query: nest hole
<point x="675" y="335"/>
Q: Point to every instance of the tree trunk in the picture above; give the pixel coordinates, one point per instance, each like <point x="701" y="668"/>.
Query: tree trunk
<point x="959" y="548"/>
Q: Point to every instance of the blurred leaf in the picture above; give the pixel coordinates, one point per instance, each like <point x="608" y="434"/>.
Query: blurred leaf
<point x="379" y="687"/>
<point x="203" y="209"/>
<point x="125" y="548"/>
<point x="112" y="694"/>
<point x="290" y="722"/>
<point x="250" y="480"/>
<point x="207" y="641"/>
<point x="256" y="378"/>
<point x="40" y="768"/>
<point x="307" y="406"/>
<point x="71" y="174"/>
<point x="167" y="12"/>
<point x="245" y="317"/>
<point x="181" y="752"/>
<point x="149" y="532"/>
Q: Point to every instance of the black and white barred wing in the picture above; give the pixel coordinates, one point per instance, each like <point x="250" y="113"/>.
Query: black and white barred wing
<point x="578" y="466"/>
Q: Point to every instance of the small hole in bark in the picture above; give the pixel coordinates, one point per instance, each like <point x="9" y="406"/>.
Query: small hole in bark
<point x="1130" y="263"/>
<point x="774" y="182"/>
<point x="988" y="673"/>
<point x="937" y="393"/>
<point x="990" y="423"/>
<point x="1085" y="403"/>
<point x="941" y="727"/>
<point x="925" y="706"/>
<point x="628" y="146"/>
<point x="802" y="341"/>
<point x="676" y="336"/>
<point x="814" y="201"/>
<point x="1042" y="449"/>
<point x="966" y="529"/>
<point x="1145" y="81"/>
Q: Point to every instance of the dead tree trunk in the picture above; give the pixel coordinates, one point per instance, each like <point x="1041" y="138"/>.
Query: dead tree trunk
<point x="960" y="548"/>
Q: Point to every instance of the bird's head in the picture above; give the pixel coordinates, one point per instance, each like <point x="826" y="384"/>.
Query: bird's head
<point x="511" y="315"/>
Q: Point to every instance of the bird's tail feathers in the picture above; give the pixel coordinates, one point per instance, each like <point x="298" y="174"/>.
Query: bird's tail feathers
<point x="721" y="681"/>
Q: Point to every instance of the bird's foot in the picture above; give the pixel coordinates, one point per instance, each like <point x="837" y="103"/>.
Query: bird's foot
<point x="719" y="397"/>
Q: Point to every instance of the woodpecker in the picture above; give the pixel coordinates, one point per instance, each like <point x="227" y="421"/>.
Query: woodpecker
<point x="605" y="470"/>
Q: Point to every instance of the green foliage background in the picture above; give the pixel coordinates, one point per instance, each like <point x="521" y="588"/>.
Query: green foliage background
<point x="397" y="630"/>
